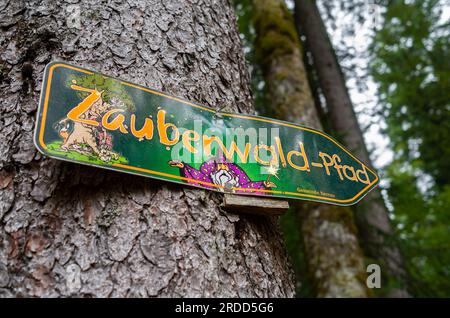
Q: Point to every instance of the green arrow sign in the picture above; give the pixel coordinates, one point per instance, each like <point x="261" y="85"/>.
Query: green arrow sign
<point x="94" y="119"/>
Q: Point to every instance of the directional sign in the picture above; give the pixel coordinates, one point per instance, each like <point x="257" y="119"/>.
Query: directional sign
<point x="98" y="120"/>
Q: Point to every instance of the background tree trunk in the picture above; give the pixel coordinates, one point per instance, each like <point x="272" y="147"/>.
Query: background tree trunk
<point x="70" y="230"/>
<point x="334" y="258"/>
<point x="372" y="215"/>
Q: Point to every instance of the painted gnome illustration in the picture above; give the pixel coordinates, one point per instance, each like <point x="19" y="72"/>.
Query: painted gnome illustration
<point x="87" y="139"/>
<point x="225" y="175"/>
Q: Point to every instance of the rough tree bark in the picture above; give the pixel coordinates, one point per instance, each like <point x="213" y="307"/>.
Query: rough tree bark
<point x="69" y="230"/>
<point x="334" y="258"/>
<point x="372" y="216"/>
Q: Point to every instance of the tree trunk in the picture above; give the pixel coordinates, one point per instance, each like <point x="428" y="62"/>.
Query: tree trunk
<point x="335" y="261"/>
<point x="372" y="215"/>
<point x="69" y="230"/>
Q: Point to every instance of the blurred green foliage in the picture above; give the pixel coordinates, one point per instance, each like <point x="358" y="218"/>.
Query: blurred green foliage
<point x="248" y="37"/>
<point x="412" y="68"/>
<point x="410" y="62"/>
<point x="411" y="65"/>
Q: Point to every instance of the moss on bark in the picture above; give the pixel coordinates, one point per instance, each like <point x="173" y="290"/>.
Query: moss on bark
<point x="276" y="34"/>
<point x="334" y="259"/>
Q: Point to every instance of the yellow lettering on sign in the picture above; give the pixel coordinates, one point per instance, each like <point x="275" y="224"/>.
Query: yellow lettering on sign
<point x="162" y="130"/>
<point x="188" y="136"/>
<point x="243" y="156"/>
<point x="301" y="154"/>
<point x="273" y="155"/>
<point x="352" y="170"/>
<point x="363" y="173"/>
<point x="116" y="123"/>
<point x="327" y="161"/>
<point x="76" y="112"/>
<point x="280" y="151"/>
<point x="337" y="166"/>
<point x="146" y="130"/>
